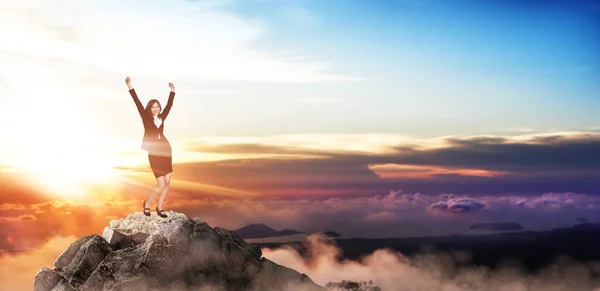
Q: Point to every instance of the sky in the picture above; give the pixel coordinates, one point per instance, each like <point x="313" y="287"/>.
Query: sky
<point x="369" y="118"/>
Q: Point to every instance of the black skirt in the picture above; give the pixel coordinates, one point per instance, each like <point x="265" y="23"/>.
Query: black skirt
<point x="160" y="158"/>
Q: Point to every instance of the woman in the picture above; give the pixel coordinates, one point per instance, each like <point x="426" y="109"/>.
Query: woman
<point x="156" y="144"/>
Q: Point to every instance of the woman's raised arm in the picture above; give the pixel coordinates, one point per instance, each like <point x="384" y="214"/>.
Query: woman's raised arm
<point x="136" y="100"/>
<point x="170" y="102"/>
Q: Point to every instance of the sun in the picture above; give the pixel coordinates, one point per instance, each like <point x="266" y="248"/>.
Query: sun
<point x="69" y="157"/>
<point x="68" y="168"/>
<point x="70" y="176"/>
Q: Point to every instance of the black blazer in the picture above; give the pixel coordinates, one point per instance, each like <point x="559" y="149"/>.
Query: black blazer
<point x="151" y="132"/>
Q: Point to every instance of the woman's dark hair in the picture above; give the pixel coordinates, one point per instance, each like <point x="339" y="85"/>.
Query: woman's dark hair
<point x="150" y="104"/>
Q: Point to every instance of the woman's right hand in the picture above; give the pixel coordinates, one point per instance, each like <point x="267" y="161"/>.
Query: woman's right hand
<point x="128" y="82"/>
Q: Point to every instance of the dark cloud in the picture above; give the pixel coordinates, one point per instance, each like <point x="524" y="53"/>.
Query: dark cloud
<point x="546" y="154"/>
<point x="560" y="163"/>
<point x="286" y="178"/>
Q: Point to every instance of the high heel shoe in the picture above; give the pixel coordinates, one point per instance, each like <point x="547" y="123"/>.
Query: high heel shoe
<point x="146" y="210"/>
<point x="161" y="212"/>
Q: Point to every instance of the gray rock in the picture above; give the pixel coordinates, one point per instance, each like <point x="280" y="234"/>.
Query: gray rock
<point x="86" y="260"/>
<point x="65" y="258"/>
<point x="63" y="285"/>
<point x="177" y="234"/>
<point x="254" y="251"/>
<point x="120" y="268"/>
<point x="275" y="277"/>
<point x="46" y="279"/>
<point x="139" y="223"/>
<point x="119" y="240"/>
<point x="174" y="253"/>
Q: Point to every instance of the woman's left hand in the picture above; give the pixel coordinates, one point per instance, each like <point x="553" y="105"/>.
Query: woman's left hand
<point x="172" y="87"/>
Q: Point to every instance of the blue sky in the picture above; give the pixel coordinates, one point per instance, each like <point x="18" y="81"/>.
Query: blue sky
<point x="250" y="68"/>
<point x="487" y="36"/>
<point x="537" y="60"/>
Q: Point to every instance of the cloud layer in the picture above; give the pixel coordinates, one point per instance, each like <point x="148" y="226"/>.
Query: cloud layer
<point x="397" y="214"/>
<point x="182" y="39"/>
<point x="393" y="271"/>
<point x="496" y="165"/>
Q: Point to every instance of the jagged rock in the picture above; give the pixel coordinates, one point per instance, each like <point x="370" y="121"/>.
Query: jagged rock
<point x="174" y="253"/>
<point x="85" y="261"/>
<point x="284" y="278"/>
<point x="67" y="256"/>
<point x="63" y="285"/>
<point x="239" y="242"/>
<point x="119" y="240"/>
<point x="45" y="279"/>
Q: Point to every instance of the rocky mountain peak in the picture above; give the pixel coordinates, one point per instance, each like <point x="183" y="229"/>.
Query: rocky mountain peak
<point x="173" y="253"/>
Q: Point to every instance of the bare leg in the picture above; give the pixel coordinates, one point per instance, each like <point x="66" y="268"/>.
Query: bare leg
<point x="160" y="185"/>
<point x="165" y="190"/>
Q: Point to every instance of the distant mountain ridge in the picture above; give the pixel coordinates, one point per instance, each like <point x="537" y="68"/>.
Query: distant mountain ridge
<point x="533" y="250"/>
<point x="497" y="226"/>
<point x="258" y="230"/>
<point x="580" y="226"/>
<point x="332" y="234"/>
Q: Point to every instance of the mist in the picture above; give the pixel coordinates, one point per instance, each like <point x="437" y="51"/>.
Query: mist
<point x="447" y="271"/>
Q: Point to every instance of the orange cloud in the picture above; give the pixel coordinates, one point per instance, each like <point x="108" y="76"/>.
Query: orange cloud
<point x="11" y="206"/>
<point x="20" y="217"/>
<point x="17" y="271"/>
<point x="426" y="172"/>
<point x="379" y="216"/>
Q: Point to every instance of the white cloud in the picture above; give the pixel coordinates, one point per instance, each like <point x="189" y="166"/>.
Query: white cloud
<point x="554" y="201"/>
<point x="173" y="39"/>
<point x="458" y="205"/>
<point x="71" y="57"/>
<point x="517" y="129"/>
<point x="316" y="100"/>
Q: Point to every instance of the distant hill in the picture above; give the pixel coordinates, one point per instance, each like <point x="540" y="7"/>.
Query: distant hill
<point x="332" y="234"/>
<point x="581" y="226"/>
<point x="497" y="226"/>
<point x="261" y="231"/>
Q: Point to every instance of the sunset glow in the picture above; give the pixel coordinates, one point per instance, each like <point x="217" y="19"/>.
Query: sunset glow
<point x="373" y="119"/>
